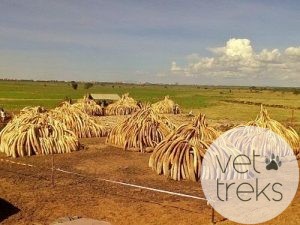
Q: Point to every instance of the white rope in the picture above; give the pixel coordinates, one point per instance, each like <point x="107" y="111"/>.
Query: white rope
<point x="117" y="182"/>
<point x="22" y="164"/>
<point x="138" y="186"/>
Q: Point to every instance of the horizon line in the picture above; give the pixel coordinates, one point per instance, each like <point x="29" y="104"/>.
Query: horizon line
<point x="143" y="83"/>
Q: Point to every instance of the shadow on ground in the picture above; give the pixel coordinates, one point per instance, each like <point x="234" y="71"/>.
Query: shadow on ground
<point x="7" y="209"/>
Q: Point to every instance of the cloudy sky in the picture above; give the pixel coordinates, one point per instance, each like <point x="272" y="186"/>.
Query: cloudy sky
<point x="193" y="42"/>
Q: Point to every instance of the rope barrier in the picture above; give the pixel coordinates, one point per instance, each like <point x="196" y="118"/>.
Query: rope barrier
<point x="115" y="182"/>
<point x="120" y="183"/>
<point x="13" y="162"/>
<point x="137" y="186"/>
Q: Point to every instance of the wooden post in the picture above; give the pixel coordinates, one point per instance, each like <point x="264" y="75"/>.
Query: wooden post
<point x="292" y="122"/>
<point x="52" y="172"/>
<point x="213" y="215"/>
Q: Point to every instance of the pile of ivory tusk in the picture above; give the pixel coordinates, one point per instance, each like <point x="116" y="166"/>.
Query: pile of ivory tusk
<point x="34" y="132"/>
<point x="166" y="106"/>
<point x="83" y="125"/>
<point x="263" y="120"/>
<point x="125" y="106"/>
<point x="89" y="106"/>
<point x="142" y="131"/>
<point x="180" y="154"/>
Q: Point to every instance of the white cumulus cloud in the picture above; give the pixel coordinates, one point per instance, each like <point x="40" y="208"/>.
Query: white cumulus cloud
<point x="238" y="48"/>
<point x="238" y="59"/>
<point x="293" y="51"/>
<point x="269" y="56"/>
<point x="175" y="68"/>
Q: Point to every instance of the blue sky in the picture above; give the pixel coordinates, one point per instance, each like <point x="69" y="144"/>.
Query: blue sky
<point x="156" y="41"/>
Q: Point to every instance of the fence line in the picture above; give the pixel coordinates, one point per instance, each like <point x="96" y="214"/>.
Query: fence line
<point x="117" y="182"/>
<point x="111" y="181"/>
<point x="136" y="186"/>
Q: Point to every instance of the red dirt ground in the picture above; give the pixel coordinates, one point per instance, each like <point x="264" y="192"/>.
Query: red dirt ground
<point x="30" y="190"/>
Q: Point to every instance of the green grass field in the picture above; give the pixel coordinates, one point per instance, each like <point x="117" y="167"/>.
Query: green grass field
<point x="216" y="102"/>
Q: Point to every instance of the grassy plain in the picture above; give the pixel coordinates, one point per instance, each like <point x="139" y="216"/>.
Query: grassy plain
<point x="216" y="102"/>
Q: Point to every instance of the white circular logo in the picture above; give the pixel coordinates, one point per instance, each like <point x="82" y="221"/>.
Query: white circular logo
<point x="250" y="175"/>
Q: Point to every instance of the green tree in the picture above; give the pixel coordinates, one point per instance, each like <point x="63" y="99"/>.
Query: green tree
<point x="88" y="85"/>
<point x="74" y="85"/>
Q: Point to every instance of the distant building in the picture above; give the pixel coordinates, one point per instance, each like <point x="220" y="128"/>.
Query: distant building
<point x="104" y="99"/>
